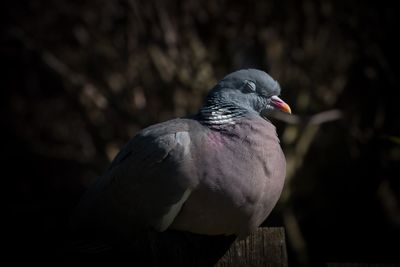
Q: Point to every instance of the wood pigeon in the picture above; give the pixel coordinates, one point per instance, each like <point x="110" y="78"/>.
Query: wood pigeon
<point x="219" y="172"/>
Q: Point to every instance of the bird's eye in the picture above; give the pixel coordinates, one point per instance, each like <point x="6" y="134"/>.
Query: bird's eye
<point x="249" y="87"/>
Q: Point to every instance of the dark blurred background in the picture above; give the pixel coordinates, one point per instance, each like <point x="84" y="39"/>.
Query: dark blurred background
<point x="79" y="78"/>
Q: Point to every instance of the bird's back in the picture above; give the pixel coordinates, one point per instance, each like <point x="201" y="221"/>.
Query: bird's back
<point x="150" y="175"/>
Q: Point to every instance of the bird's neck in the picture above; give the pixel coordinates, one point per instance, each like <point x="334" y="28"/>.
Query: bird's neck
<point x="216" y="113"/>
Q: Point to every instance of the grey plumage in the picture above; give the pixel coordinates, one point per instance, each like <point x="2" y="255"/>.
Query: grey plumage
<point x="219" y="172"/>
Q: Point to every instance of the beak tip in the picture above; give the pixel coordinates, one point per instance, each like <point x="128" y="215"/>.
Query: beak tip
<point x="288" y="110"/>
<point x="280" y="105"/>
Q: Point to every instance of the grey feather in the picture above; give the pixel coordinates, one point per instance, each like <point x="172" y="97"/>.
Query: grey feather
<point x="219" y="172"/>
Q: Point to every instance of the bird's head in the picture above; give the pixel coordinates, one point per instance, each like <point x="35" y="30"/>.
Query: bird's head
<point x="243" y="91"/>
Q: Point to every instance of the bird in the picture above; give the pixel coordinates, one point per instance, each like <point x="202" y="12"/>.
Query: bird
<point x="218" y="172"/>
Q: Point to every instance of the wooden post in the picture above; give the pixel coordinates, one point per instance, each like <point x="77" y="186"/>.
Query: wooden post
<point x="265" y="247"/>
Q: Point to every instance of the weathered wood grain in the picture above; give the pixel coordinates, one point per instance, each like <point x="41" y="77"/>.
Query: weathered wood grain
<point x="265" y="247"/>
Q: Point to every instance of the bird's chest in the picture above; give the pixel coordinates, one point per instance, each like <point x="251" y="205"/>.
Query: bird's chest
<point x="233" y="183"/>
<point x="236" y="163"/>
<point x="240" y="174"/>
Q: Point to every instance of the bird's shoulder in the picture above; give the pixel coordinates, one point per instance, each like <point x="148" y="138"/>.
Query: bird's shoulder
<point x="154" y="143"/>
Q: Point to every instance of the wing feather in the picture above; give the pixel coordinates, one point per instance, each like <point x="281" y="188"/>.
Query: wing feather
<point x="147" y="182"/>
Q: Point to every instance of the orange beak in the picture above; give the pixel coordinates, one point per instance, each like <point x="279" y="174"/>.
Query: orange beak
<point x="279" y="104"/>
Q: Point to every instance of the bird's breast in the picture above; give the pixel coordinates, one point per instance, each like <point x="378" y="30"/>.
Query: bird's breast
<point x="242" y="176"/>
